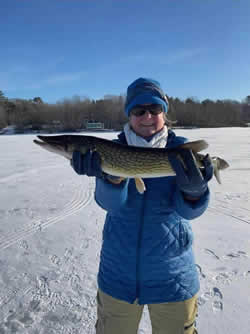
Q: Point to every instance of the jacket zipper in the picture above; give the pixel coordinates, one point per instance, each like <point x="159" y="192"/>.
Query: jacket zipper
<point x="138" y="257"/>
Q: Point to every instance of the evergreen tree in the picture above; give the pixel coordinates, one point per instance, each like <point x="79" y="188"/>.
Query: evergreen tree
<point x="2" y="97"/>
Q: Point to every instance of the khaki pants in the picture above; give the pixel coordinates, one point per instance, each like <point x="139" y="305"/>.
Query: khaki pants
<point x="115" y="316"/>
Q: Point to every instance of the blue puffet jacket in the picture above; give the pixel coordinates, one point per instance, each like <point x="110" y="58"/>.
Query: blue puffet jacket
<point x="147" y="253"/>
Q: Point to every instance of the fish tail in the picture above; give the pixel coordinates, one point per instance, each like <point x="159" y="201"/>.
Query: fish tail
<point x="219" y="164"/>
<point x="217" y="175"/>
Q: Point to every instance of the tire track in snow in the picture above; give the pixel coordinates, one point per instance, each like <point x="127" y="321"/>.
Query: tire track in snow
<point x="223" y="202"/>
<point x="38" y="284"/>
<point x="81" y="199"/>
<point x="231" y="208"/>
<point x="214" y="209"/>
<point x="239" y="213"/>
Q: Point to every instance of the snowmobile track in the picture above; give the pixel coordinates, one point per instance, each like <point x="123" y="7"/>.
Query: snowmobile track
<point x="81" y="199"/>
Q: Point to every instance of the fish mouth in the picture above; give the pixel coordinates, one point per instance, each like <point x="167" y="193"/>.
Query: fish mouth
<point x="39" y="142"/>
<point x="46" y="143"/>
<point x="60" y="142"/>
<point x="50" y="139"/>
<point x="54" y="144"/>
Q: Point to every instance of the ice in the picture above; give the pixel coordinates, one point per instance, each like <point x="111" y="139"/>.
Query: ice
<point x="51" y="232"/>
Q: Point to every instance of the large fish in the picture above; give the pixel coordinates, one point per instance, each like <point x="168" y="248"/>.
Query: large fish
<point x="127" y="161"/>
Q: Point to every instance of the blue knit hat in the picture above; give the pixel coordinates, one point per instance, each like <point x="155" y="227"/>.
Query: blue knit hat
<point x="143" y="91"/>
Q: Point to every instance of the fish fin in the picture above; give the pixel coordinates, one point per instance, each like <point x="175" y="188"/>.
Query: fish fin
<point x="140" y="186"/>
<point x="115" y="181"/>
<point x="195" y="146"/>
<point x="217" y="175"/>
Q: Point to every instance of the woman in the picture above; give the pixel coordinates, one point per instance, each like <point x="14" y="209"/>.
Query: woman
<point x="146" y="256"/>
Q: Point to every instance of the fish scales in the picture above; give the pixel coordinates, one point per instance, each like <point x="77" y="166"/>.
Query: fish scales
<point x="127" y="161"/>
<point x="135" y="164"/>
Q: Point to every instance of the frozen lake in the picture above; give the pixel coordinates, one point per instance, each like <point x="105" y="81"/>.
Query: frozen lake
<point x="50" y="239"/>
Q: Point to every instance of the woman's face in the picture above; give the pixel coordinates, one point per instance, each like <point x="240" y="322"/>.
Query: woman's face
<point x="147" y="124"/>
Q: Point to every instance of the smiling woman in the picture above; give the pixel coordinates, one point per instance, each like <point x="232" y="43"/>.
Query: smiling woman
<point x="147" y="255"/>
<point x="146" y="112"/>
<point x="147" y="121"/>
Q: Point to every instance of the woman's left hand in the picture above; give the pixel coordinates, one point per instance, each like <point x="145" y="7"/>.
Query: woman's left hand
<point x="189" y="178"/>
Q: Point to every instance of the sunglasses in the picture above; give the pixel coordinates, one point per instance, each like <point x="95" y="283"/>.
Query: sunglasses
<point x="153" y="109"/>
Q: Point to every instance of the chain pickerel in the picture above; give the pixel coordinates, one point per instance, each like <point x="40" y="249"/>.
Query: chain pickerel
<point x="127" y="161"/>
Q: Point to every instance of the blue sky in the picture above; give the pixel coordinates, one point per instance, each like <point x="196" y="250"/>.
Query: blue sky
<point x="56" y="49"/>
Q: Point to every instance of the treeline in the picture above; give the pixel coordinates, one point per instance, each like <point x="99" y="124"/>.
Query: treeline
<point x="73" y="114"/>
<point x="67" y="115"/>
<point x="208" y="113"/>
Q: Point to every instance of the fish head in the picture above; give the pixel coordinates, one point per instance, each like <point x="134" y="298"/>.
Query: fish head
<point x="63" y="145"/>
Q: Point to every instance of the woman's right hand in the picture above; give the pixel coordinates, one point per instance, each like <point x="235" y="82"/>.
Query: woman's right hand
<point x="90" y="164"/>
<point x="87" y="164"/>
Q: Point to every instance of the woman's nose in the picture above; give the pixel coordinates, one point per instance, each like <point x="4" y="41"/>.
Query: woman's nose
<point x="147" y="114"/>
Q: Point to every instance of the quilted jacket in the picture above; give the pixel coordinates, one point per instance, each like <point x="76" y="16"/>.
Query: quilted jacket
<point x="146" y="253"/>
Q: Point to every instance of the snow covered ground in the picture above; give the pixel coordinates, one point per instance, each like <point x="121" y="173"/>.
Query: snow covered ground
<point x="50" y="237"/>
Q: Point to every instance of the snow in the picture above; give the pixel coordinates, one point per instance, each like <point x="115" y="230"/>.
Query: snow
<point x="51" y="230"/>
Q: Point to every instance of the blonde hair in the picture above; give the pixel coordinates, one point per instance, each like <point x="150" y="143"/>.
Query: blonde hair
<point x="169" y="123"/>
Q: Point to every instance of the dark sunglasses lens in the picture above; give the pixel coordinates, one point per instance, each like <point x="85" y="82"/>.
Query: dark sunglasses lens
<point x="138" y="111"/>
<point x="154" y="109"/>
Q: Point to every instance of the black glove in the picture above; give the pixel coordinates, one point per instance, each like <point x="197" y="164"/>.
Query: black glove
<point x="87" y="164"/>
<point x="190" y="179"/>
<point x="90" y="164"/>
